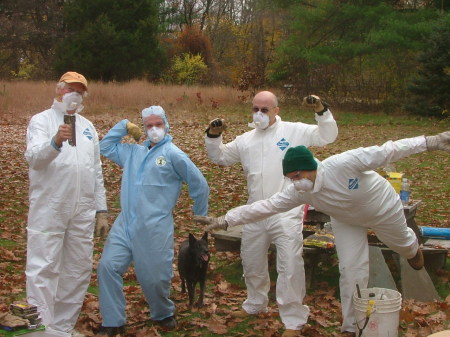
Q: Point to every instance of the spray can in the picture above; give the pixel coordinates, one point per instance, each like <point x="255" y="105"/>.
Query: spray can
<point x="70" y="119"/>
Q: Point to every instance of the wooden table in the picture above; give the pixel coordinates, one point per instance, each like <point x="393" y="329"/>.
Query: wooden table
<point x="319" y="218"/>
<point x="230" y="240"/>
<point x="410" y="212"/>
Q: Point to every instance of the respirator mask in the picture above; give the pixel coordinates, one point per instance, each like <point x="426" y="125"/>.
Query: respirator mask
<point x="303" y="185"/>
<point x="261" y="120"/>
<point x="156" y="134"/>
<point x="72" y="101"/>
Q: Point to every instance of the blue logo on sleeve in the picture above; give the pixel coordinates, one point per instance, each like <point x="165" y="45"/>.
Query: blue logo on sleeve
<point x="283" y="144"/>
<point x="88" y="134"/>
<point x="353" y="184"/>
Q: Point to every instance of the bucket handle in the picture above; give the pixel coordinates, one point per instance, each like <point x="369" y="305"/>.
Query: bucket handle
<point x="369" y="312"/>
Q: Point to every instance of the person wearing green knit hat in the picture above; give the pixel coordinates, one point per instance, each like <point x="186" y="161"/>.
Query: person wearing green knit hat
<point x="356" y="198"/>
<point x="300" y="164"/>
<point x="298" y="158"/>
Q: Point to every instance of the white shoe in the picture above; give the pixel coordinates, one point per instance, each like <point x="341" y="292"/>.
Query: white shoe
<point x="60" y="333"/>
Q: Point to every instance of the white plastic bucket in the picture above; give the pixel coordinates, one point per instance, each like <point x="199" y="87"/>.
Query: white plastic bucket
<point x="377" y="312"/>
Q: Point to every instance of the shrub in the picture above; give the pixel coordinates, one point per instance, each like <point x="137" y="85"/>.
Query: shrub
<point x="188" y="69"/>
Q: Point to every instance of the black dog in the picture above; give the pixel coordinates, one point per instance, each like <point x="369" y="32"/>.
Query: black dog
<point x="193" y="259"/>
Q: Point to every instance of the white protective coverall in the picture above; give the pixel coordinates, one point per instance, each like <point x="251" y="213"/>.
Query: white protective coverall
<point x="143" y="232"/>
<point x="66" y="190"/>
<point x="356" y="199"/>
<point x="260" y="153"/>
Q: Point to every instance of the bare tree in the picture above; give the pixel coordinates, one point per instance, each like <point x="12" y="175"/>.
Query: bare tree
<point x="30" y="29"/>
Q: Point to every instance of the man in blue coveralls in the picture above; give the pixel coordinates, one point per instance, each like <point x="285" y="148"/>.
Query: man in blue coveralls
<point x="143" y="232"/>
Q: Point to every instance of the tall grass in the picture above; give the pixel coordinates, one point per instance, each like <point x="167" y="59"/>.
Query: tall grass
<point x="22" y="99"/>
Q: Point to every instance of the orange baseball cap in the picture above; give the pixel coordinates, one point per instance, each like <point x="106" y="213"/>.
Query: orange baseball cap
<point x="73" y="77"/>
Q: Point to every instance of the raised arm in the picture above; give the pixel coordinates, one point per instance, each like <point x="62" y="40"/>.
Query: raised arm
<point x="111" y="145"/>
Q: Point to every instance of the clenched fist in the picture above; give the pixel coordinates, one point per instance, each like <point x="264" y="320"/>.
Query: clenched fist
<point x="216" y="126"/>
<point x="439" y="142"/>
<point x="134" y="131"/>
<point x="314" y="102"/>
<point x="212" y="222"/>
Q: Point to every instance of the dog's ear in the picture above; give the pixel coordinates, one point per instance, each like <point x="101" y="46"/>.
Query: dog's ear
<point x="205" y="236"/>
<point x="192" y="239"/>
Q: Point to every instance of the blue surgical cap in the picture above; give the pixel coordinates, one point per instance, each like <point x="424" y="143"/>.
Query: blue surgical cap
<point x="158" y="111"/>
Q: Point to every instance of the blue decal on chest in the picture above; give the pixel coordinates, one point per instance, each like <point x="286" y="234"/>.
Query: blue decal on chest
<point x="88" y="134"/>
<point x="353" y="183"/>
<point x="283" y="144"/>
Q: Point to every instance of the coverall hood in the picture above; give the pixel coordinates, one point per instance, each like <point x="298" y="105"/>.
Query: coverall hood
<point x="158" y="111"/>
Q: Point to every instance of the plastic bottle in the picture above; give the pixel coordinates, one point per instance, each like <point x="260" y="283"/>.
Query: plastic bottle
<point x="404" y="192"/>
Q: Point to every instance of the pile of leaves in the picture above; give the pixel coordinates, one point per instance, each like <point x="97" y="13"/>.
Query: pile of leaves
<point x="223" y="296"/>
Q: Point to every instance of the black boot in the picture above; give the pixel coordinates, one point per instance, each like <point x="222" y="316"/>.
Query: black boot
<point x="110" y="331"/>
<point x="168" y="322"/>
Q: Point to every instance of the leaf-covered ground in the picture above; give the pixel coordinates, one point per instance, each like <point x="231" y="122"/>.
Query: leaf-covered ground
<point x="226" y="291"/>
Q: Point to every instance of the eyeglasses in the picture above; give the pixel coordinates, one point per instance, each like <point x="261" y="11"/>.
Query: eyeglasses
<point x="263" y="110"/>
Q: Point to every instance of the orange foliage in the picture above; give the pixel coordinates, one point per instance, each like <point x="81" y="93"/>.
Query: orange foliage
<point x="192" y="40"/>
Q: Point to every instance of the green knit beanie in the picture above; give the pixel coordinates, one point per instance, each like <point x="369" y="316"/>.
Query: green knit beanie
<point x="298" y="158"/>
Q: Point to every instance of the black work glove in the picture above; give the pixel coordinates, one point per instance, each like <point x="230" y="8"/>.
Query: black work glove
<point x="215" y="128"/>
<point x="316" y="103"/>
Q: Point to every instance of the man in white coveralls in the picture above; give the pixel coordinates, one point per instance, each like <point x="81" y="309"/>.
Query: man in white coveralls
<point x="356" y="199"/>
<point x="260" y="152"/>
<point x="67" y="197"/>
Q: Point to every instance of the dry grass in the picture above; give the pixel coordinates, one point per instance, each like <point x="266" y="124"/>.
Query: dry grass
<point x="22" y="99"/>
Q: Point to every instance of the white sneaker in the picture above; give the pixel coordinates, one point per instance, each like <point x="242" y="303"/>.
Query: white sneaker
<point x="58" y="332"/>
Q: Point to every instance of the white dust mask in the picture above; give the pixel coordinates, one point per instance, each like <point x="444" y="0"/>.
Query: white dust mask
<point x="261" y="120"/>
<point x="156" y="134"/>
<point x="303" y="185"/>
<point x="72" y="101"/>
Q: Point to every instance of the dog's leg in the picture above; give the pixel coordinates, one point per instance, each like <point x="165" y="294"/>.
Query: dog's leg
<point x="199" y="303"/>
<point x="183" y="286"/>
<point x="191" y="292"/>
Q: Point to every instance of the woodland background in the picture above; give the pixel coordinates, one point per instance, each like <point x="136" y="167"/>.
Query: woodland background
<point x="362" y="54"/>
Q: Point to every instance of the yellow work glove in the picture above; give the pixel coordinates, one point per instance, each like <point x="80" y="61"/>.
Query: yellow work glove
<point x="215" y="128"/>
<point x="101" y="224"/>
<point x="134" y="131"/>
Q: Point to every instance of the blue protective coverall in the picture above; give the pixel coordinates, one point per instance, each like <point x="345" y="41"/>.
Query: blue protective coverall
<point x="143" y="232"/>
